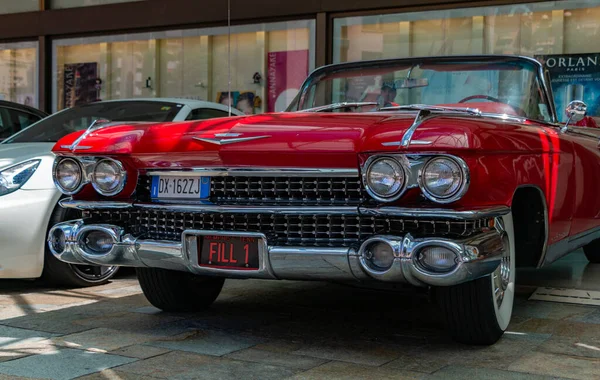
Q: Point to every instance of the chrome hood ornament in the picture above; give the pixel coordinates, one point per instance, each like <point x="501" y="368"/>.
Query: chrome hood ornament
<point x="228" y="138"/>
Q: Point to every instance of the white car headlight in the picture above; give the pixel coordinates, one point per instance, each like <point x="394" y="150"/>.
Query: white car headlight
<point x="68" y="175"/>
<point x="444" y="179"/>
<point x="384" y="179"/>
<point x="109" y="177"/>
<point x="12" y="178"/>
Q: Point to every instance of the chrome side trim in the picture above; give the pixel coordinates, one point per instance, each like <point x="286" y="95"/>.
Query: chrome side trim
<point x="93" y="205"/>
<point x="220" y="141"/>
<point x="258" y="172"/>
<point x="435" y="213"/>
<point x="568" y="245"/>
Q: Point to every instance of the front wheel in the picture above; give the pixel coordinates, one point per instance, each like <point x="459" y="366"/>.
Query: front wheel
<point x="178" y="291"/>
<point x="592" y="251"/>
<point x="479" y="311"/>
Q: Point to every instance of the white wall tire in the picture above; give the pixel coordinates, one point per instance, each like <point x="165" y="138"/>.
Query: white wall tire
<point x="478" y="312"/>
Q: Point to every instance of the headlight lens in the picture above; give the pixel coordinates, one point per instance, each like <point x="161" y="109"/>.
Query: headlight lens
<point x="384" y="178"/>
<point x="108" y="177"/>
<point x="68" y="175"/>
<point x="12" y="178"/>
<point x="443" y="179"/>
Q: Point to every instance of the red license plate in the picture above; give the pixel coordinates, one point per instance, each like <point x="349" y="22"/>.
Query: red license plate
<point x="228" y="252"/>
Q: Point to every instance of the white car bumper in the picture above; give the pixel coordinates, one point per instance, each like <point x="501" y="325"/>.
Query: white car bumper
<point x="24" y="218"/>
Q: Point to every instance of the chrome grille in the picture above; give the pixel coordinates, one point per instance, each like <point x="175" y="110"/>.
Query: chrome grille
<point x="241" y="190"/>
<point x="280" y="229"/>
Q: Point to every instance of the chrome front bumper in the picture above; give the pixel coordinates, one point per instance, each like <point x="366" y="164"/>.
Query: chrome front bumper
<point x="476" y="256"/>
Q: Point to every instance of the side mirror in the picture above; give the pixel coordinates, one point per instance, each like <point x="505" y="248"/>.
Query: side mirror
<point x="575" y="111"/>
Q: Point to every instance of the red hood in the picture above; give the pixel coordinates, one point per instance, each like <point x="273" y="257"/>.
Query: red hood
<point x="285" y="139"/>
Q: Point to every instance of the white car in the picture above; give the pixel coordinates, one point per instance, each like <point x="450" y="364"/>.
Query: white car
<point x="29" y="199"/>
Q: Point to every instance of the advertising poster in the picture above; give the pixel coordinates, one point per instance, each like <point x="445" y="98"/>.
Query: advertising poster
<point x="80" y="86"/>
<point x="286" y="72"/>
<point x="574" y="77"/>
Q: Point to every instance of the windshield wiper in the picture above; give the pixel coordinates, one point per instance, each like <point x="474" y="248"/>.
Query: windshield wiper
<point x="335" y="106"/>
<point x="425" y="107"/>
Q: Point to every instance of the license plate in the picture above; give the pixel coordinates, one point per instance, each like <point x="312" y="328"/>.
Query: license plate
<point x="228" y="252"/>
<point x="180" y="187"/>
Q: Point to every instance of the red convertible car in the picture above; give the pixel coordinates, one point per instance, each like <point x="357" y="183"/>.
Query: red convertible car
<point x="451" y="176"/>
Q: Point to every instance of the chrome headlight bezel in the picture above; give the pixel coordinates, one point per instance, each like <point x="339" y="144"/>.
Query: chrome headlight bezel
<point x="82" y="179"/>
<point x="461" y="188"/>
<point x="120" y="170"/>
<point x="368" y="166"/>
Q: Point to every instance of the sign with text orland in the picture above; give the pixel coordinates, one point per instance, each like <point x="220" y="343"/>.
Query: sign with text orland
<point x="286" y="72"/>
<point x="574" y="77"/>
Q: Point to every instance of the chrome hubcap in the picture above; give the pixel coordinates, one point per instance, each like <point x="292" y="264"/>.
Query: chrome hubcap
<point x="93" y="273"/>
<point x="501" y="278"/>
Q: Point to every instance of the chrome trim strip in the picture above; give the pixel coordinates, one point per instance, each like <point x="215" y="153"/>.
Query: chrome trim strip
<point x="229" y="141"/>
<point x="435" y="213"/>
<point x="258" y="172"/>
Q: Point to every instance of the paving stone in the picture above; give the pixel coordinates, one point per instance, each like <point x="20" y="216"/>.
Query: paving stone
<point x="358" y="353"/>
<point x="159" y="325"/>
<point x="120" y="292"/>
<point x="140" y="351"/>
<point x="276" y="358"/>
<point x="283" y="346"/>
<point x="115" y="374"/>
<point x="585" y="346"/>
<point x="550" y="310"/>
<point x="558" y="365"/>
<point x="62" y="364"/>
<point x="184" y="365"/>
<point x="25" y="347"/>
<point x="347" y="371"/>
<point x="432" y="357"/>
<point x="102" y="339"/>
<point x="593" y="317"/>
<point x="210" y="343"/>
<point x="455" y="372"/>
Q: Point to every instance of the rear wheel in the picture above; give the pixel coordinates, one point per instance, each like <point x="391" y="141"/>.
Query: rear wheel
<point x="479" y="311"/>
<point x="178" y="291"/>
<point x="58" y="273"/>
<point x="592" y="251"/>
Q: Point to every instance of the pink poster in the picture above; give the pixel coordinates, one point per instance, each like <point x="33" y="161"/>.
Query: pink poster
<point x="287" y="71"/>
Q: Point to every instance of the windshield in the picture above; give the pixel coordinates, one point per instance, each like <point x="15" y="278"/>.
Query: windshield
<point x="504" y="87"/>
<point x="53" y="128"/>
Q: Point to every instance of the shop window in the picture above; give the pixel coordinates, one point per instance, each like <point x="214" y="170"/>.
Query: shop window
<point x="18" y="73"/>
<point x="59" y="4"/>
<point x="557" y="27"/>
<point x="13" y="6"/>
<point x="265" y="65"/>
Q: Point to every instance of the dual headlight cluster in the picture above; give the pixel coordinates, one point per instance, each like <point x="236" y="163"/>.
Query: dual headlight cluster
<point x="442" y="179"/>
<point x="107" y="176"/>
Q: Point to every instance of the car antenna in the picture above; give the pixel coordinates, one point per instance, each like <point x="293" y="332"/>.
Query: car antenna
<point x="229" y="57"/>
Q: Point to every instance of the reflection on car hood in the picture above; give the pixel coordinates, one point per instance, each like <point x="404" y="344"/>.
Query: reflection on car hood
<point x="11" y="154"/>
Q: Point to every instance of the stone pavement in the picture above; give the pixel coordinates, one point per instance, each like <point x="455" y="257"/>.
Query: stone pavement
<point x="279" y="330"/>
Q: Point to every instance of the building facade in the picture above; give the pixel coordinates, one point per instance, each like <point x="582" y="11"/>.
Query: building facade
<point x="59" y="53"/>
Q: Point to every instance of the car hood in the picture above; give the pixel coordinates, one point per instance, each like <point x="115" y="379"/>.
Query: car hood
<point x="12" y="154"/>
<point x="285" y="139"/>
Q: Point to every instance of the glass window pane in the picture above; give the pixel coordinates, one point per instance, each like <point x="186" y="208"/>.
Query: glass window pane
<point x="268" y="64"/>
<point x="58" y="4"/>
<point x="205" y="113"/>
<point x="18" y="73"/>
<point x="558" y="27"/>
<point x="14" y="6"/>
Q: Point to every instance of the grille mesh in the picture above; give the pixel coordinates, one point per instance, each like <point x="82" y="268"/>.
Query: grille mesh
<point x="291" y="229"/>
<point x="277" y="190"/>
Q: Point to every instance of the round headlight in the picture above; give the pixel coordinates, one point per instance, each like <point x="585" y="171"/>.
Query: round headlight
<point x="384" y="178"/>
<point x="108" y="177"/>
<point x="444" y="179"/>
<point x="68" y="175"/>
